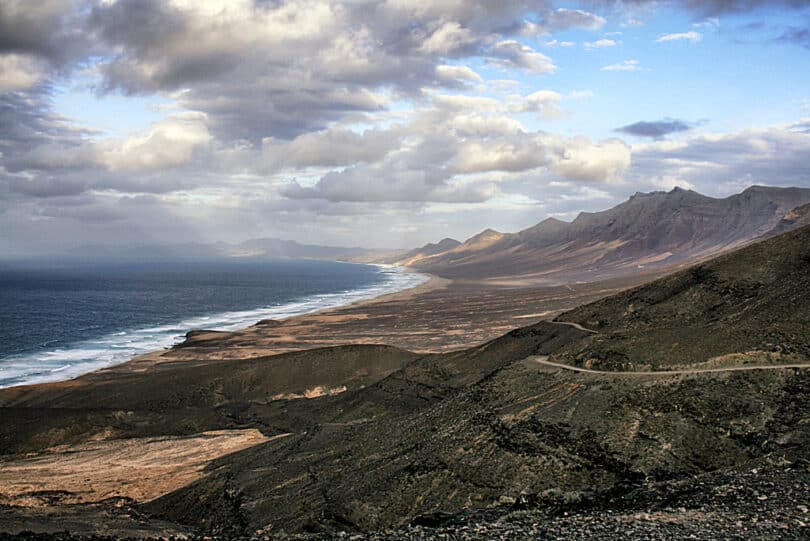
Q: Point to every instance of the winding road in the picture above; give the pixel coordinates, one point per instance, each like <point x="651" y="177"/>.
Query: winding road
<point x="543" y="359"/>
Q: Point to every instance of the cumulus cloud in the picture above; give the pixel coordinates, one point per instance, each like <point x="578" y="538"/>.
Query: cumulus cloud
<point x="321" y="61"/>
<point x="562" y="18"/>
<point x="514" y="54"/>
<point x="681" y="36"/>
<point x="430" y="158"/>
<point x="655" y="129"/>
<point x="581" y="159"/>
<point x="455" y="73"/>
<point x="545" y="102"/>
<point x="169" y="143"/>
<point x="508" y="154"/>
<point x="448" y="38"/>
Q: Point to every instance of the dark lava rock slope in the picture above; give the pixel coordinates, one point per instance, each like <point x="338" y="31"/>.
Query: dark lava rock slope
<point x="754" y="300"/>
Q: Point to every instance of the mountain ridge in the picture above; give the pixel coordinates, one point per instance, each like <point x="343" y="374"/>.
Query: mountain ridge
<point x="648" y="229"/>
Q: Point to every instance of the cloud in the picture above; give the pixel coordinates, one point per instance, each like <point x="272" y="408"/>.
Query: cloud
<point x="727" y="162"/>
<point x="626" y="65"/>
<point x="334" y="147"/>
<point x="508" y="154"/>
<point x="18" y="72"/>
<point x="581" y="159"/>
<point x="714" y="8"/>
<point x="563" y="19"/>
<point x="511" y="53"/>
<point x="711" y="22"/>
<point x="655" y="129"/>
<point x="461" y="103"/>
<point x="796" y="36"/>
<point x="448" y="38"/>
<point x="437" y="154"/>
<point x="554" y="43"/>
<point x="545" y="102"/>
<point x="702" y="8"/>
<point x="414" y="174"/>
<point x="802" y="125"/>
<point x="50" y="30"/>
<point x="169" y="143"/>
<point x="455" y="73"/>
<point x="600" y="44"/>
<point x="682" y="36"/>
<point x="323" y="59"/>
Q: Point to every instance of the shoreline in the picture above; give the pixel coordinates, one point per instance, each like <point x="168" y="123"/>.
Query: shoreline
<point x="174" y="340"/>
<point x="438" y="315"/>
<point x="146" y="361"/>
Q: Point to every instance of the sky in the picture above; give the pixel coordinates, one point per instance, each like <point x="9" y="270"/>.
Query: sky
<point x="383" y="124"/>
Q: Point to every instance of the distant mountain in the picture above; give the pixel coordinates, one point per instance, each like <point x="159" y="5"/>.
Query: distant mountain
<point x="648" y="230"/>
<point x="289" y="248"/>
<point x="428" y="250"/>
<point x="255" y="248"/>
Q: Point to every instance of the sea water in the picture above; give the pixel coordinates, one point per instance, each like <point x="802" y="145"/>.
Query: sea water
<point x="58" y="321"/>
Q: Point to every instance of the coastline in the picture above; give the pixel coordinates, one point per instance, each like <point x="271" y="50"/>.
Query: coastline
<point x="174" y="335"/>
<point x="149" y="360"/>
<point x="437" y="316"/>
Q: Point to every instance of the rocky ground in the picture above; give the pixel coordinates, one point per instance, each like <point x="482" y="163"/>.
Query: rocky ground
<point x="764" y="501"/>
<point x="751" y="300"/>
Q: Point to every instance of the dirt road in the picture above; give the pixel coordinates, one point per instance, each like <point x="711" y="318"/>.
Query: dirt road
<point x="543" y="359"/>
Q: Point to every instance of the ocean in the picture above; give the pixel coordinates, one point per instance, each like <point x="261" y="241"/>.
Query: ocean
<point x="58" y="321"/>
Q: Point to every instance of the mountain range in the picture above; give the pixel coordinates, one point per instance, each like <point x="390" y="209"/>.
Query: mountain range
<point x="649" y="230"/>
<point x="656" y="231"/>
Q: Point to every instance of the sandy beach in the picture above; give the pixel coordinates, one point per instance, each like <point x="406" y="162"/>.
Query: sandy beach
<point x="436" y="316"/>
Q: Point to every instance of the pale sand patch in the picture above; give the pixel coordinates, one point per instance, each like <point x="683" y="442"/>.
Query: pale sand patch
<point x="139" y="468"/>
<point x="433" y="283"/>
<point x="530" y="316"/>
<point x="315" y="392"/>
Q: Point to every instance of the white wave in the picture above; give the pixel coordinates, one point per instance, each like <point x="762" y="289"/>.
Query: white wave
<point x="61" y="368"/>
<point x="119" y="347"/>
